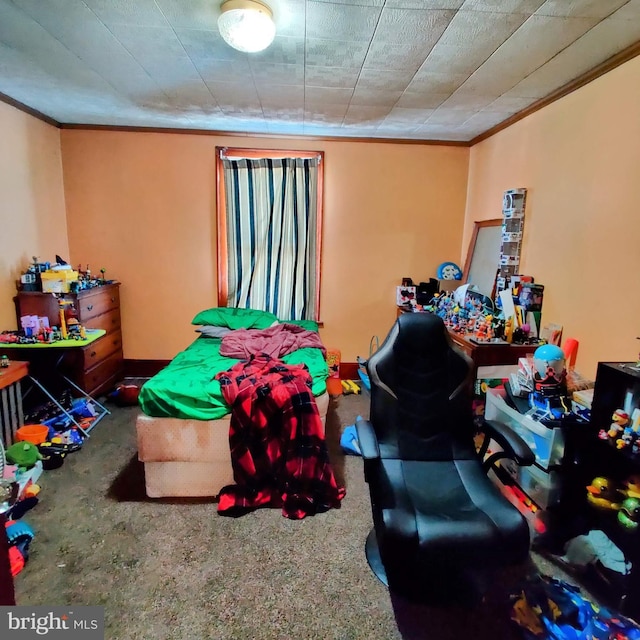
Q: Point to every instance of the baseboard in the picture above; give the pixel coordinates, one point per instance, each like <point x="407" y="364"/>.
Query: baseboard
<point x="143" y="368"/>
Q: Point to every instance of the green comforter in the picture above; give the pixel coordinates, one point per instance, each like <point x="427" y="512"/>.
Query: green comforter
<point x="186" y="387"/>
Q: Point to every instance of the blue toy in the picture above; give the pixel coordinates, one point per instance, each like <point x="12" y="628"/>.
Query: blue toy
<point x="449" y="271"/>
<point x="349" y="440"/>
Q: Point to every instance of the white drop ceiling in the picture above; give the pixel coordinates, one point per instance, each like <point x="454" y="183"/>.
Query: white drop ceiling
<point x="447" y="70"/>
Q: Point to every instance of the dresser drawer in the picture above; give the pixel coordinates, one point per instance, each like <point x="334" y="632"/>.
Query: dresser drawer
<point x="100" y="349"/>
<point x="103" y="375"/>
<point x="109" y="321"/>
<point x="95" y="304"/>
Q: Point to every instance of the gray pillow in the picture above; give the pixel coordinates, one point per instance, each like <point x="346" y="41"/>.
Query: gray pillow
<point x="211" y="331"/>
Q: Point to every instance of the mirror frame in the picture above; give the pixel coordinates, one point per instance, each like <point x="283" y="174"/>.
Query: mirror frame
<point x="494" y="222"/>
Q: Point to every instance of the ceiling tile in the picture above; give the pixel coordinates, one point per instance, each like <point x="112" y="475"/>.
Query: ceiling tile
<point x="334" y="53"/>
<point x="324" y="112"/>
<point x="580" y="8"/>
<point x="413" y="100"/>
<point x="396" y="57"/>
<point x="384" y="79"/>
<point x="327" y="95"/>
<point x="281" y="94"/>
<point x="340" y="22"/>
<point x="412" y="26"/>
<point x="426" y="82"/>
<point x="503" y="6"/>
<point x="364" y="3"/>
<point x="475" y="30"/>
<point x="420" y="4"/>
<point x="141" y="13"/>
<point x="630" y="11"/>
<point x="235" y="97"/>
<point x="282" y="51"/>
<point x="148" y="42"/>
<point x="289" y="16"/>
<point x="533" y="44"/>
<point x="603" y="41"/>
<point x="508" y="104"/>
<point x="409" y="116"/>
<point x="450" y="116"/>
<point x="468" y="101"/>
<point x="277" y="73"/>
<point x="332" y="77"/>
<point x="375" y="97"/>
<point x="201" y="44"/>
<point x="365" y="115"/>
<point x="283" y="113"/>
<point x="225" y="71"/>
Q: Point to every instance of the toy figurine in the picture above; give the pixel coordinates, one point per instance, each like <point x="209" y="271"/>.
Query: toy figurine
<point x="626" y="439"/>
<point x="603" y="494"/>
<point x="631" y="487"/>
<point x="629" y="514"/>
<point x="620" y="420"/>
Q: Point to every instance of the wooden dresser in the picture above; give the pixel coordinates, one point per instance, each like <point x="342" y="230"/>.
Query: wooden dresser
<point x="97" y="367"/>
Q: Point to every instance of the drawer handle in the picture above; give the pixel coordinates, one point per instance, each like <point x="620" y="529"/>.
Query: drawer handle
<point x="89" y="307"/>
<point x="92" y="354"/>
<point x="113" y="298"/>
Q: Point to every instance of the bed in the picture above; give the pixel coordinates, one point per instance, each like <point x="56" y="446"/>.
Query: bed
<point x="183" y="427"/>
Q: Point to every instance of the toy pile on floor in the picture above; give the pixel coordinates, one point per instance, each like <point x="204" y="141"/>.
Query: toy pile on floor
<point x="550" y="609"/>
<point x="39" y="447"/>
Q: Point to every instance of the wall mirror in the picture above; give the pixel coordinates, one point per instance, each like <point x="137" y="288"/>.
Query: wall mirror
<point x="483" y="258"/>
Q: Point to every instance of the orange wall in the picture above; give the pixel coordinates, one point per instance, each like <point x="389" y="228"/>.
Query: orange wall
<point x="579" y="160"/>
<point x="142" y="205"/>
<point x="32" y="215"/>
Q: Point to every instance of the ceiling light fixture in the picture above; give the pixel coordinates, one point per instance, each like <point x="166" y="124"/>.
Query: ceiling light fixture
<point x="246" y="25"/>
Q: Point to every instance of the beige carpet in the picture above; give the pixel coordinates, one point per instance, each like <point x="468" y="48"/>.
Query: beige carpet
<point x="177" y="570"/>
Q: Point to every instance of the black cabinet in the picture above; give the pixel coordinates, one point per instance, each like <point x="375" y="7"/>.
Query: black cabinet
<point x="617" y="387"/>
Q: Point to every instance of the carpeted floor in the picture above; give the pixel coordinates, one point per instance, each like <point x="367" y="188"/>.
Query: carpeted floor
<point x="177" y="570"/>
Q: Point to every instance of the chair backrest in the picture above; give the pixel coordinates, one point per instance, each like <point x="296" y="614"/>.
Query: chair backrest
<point x="420" y="392"/>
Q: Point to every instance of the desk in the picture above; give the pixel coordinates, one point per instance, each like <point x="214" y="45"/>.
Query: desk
<point x="484" y="355"/>
<point x="11" y="415"/>
<point x="46" y="360"/>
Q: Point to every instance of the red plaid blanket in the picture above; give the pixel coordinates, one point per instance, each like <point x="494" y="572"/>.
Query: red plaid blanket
<point x="278" y="451"/>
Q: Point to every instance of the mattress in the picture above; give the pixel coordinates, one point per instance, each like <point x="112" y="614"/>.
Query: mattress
<point x="189" y="458"/>
<point x="187" y="389"/>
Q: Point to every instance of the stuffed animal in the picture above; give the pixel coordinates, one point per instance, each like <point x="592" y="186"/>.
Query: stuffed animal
<point x="24" y="454"/>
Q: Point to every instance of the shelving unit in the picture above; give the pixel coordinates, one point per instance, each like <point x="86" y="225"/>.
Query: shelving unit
<point x="513" y="209"/>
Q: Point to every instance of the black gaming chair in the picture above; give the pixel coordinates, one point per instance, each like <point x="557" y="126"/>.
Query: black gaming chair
<point x="437" y="517"/>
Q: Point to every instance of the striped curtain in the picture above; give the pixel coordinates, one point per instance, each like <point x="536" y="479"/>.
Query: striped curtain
<point x="271" y="235"/>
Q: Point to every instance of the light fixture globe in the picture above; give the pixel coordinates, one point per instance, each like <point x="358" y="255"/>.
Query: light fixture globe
<point x="246" y="25"/>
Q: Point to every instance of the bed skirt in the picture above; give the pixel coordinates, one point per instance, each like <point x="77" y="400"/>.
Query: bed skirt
<point x="189" y="458"/>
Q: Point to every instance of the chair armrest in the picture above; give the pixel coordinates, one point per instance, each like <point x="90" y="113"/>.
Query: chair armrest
<point x="513" y="445"/>
<point x="367" y="440"/>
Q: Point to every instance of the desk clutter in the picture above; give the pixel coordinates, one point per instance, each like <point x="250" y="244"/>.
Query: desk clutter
<point x="60" y="277"/>
<point x="71" y="311"/>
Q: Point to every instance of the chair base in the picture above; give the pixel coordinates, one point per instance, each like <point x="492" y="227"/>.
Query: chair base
<point x="455" y="587"/>
<point x="374" y="559"/>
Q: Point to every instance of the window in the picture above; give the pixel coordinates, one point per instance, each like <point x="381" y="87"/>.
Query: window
<point x="269" y="230"/>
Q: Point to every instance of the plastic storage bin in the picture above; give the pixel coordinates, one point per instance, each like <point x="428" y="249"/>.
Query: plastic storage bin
<point x="547" y="443"/>
<point x="543" y="487"/>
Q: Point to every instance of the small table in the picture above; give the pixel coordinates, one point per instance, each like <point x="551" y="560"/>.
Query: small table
<point x="11" y="414"/>
<point x="60" y="348"/>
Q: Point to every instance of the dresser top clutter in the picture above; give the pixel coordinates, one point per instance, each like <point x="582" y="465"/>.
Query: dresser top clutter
<point x="64" y="307"/>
